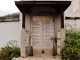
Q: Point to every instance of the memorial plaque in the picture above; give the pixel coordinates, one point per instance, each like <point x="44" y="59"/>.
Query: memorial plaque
<point x="42" y="30"/>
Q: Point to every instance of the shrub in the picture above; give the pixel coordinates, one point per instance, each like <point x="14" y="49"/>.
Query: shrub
<point x="9" y="51"/>
<point x="71" y="50"/>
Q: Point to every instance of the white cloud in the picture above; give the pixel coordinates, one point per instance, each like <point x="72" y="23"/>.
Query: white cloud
<point x="8" y="6"/>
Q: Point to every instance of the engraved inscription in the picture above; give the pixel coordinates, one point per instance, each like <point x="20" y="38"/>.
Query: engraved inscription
<point x="42" y="30"/>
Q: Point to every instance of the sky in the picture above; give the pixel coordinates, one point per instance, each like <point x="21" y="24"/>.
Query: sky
<point x="8" y="6"/>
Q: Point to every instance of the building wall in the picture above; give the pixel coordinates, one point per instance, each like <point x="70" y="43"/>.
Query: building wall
<point x="9" y="31"/>
<point x="69" y="11"/>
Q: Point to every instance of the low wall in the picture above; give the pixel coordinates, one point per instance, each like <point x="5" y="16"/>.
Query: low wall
<point x="9" y="31"/>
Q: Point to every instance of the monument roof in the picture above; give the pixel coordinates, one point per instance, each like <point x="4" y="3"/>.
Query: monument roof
<point x="29" y="4"/>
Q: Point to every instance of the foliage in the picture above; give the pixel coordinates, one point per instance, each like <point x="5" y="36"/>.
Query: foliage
<point x="2" y="18"/>
<point x="10" y="16"/>
<point x="9" y="51"/>
<point x="54" y="39"/>
<point x="71" y="50"/>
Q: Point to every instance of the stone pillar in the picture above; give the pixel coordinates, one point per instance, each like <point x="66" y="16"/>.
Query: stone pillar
<point x="28" y="32"/>
<point x="62" y="27"/>
<point x="60" y="41"/>
<point x="62" y="37"/>
<point x="23" y="43"/>
<point x="62" y="31"/>
<point x="23" y="35"/>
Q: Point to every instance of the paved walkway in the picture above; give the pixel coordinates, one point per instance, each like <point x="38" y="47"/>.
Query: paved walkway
<point x="39" y="57"/>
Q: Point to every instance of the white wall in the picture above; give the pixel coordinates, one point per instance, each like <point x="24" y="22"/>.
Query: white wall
<point x="69" y="11"/>
<point x="9" y="31"/>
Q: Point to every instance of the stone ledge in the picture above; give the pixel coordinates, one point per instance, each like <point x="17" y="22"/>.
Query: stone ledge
<point x="40" y="57"/>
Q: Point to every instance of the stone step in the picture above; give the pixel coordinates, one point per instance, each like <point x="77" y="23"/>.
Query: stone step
<point x="35" y="59"/>
<point x="40" y="57"/>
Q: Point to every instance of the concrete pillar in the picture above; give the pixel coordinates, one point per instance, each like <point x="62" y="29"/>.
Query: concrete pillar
<point x="23" y="43"/>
